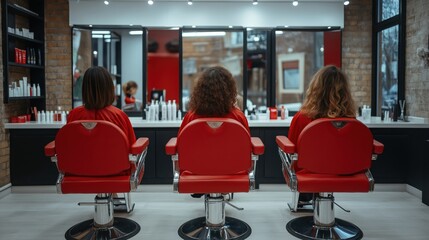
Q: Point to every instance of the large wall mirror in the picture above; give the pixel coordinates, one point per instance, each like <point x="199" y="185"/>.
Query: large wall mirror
<point x="162" y="65"/>
<point x="202" y="48"/>
<point x="120" y="51"/>
<point x="299" y="54"/>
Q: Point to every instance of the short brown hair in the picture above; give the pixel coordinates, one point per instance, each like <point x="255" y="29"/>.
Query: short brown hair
<point x="97" y="88"/>
<point x="215" y="93"/>
<point x="328" y="95"/>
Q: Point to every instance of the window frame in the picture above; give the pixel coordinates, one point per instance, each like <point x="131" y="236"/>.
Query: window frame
<point x="378" y="26"/>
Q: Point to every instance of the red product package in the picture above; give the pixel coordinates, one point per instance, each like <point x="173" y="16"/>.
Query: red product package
<point x="16" y="55"/>
<point x="24" y="56"/>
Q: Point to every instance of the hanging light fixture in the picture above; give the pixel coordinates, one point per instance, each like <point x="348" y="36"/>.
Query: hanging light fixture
<point x="150" y="2"/>
<point x="346" y="3"/>
<point x="189" y="2"/>
<point x="295" y="3"/>
<point x="255" y="2"/>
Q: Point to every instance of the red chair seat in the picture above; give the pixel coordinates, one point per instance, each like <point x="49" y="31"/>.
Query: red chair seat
<point x="189" y="183"/>
<point x="77" y="184"/>
<point x="313" y="182"/>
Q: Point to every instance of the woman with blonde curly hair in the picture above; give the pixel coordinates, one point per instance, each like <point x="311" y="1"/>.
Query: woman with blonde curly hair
<point x="214" y="95"/>
<point x="327" y="96"/>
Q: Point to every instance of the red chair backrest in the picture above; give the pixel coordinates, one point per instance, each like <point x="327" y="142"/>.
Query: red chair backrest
<point x="92" y="148"/>
<point x="214" y="146"/>
<point x="335" y="146"/>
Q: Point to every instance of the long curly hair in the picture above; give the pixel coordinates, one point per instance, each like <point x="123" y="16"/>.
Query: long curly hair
<point x="215" y="93"/>
<point x="328" y="95"/>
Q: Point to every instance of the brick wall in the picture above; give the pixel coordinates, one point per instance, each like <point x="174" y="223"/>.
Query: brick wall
<point x="416" y="75"/>
<point x="356" y="49"/>
<point x="58" y="55"/>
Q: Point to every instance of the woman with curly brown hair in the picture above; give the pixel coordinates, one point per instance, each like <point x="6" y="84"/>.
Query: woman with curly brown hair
<point x="215" y="95"/>
<point x="327" y="96"/>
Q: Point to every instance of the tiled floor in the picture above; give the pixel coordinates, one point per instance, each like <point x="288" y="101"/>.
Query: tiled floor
<point x="40" y="214"/>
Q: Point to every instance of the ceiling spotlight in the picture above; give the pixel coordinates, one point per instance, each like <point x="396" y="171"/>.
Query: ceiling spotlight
<point x="189" y="2"/>
<point x="255" y="2"/>
<point x="295" y="3"/>
<point x="150" y="2"/>
<point x="106" y="2"/>
<point x="346" y="3"/>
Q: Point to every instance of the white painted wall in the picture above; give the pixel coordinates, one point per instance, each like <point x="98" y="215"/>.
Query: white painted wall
<point x="215" y="13"/>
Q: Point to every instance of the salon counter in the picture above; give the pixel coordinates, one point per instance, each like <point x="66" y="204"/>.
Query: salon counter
<point x="404" y="159"/>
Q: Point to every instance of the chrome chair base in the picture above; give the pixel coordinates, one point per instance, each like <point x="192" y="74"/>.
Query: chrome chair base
<point x="304" y="228"/>
<point x="122" y="229"/>
<point x="234" y="229"/>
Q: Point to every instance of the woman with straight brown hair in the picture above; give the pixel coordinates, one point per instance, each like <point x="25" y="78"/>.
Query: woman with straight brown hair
<point x="98" y="95"/>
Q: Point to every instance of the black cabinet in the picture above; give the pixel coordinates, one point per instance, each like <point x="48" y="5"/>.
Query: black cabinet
<point x="28" y="163"/>
<point x="24" y="52"/>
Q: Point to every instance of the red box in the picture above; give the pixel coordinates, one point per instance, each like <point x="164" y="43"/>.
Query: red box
<point x="273" y="113"/>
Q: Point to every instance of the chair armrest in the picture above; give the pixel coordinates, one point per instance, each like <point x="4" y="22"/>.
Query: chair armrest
<point x="171" y="146"/>
<point x="50" y="149"/>
<point x="285" y="144"/>
<point x="139" y="146"/>
<point x="257" y="146"/>
<point x="378" y="147"/>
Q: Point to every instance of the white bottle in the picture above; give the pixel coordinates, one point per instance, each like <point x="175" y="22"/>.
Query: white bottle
<point x="24" y="85"/>
<point x="28" y="90"/>
<point x="38" y="90"/>
<point x="174" y="110"/>
<point x="163" y="111"/>
<point x="38" y="116"/>
<point x="33" y="90"/>
<point x="156" y="107"/>
<point x="169" y="113"/>
<point x="179" y="115"/>
<point x="43" y="117"/>
<point x="63" y="117"/>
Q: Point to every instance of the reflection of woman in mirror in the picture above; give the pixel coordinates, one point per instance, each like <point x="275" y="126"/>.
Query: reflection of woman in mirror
<point x="77" y="86"/>
<point x="130" y="90"/>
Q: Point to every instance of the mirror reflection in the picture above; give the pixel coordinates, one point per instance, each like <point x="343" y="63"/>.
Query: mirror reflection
<point x="163" y="65"/>
<point x="206" y="48"/>
<point x="257" y="60"/>
<point x="299" y="54"/>
<point x="120" y="51"/>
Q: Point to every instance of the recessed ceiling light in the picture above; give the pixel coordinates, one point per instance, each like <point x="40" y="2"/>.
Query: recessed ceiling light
<point x="346" y="2"/>
<point x="106" y="2"/>
<point x="189" y="2"/>
<point x="150" y="2"/>
<point x="255" y="2"/>
<point x="295" y="3"/>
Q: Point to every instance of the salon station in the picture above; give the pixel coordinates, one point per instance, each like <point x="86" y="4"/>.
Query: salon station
<point x="368" y="175"/>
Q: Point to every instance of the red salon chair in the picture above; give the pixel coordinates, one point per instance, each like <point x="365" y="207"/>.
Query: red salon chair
<point x="332" y="155"/>
<point x="94" y="157"/>
<point x="214" y="157"/>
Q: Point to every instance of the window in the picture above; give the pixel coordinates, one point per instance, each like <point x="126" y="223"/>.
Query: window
<point x="389" y="54"/>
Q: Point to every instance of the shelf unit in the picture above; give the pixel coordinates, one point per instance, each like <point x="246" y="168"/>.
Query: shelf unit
<point x="29" y="15"/>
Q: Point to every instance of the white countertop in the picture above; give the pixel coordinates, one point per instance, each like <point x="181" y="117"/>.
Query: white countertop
<point x="414" y="122"/>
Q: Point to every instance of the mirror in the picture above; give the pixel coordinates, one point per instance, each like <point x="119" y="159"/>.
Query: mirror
<point x="299" y="54"/>
<point x="163" y="65"/>
<point x="258" y="68"/>
<point x="120" y="51"/>
<point x="202" y="48"/>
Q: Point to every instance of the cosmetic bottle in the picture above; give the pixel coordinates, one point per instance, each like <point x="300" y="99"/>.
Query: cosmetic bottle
<point x="38" y="90"/>
<point x="43" y="117"/>
<point x="163" y="111"/>
<point x="38" y="116"/>
<point x="174" y="110"/>
<point x="179" y="115"/>
<point x="169" y="109"/>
